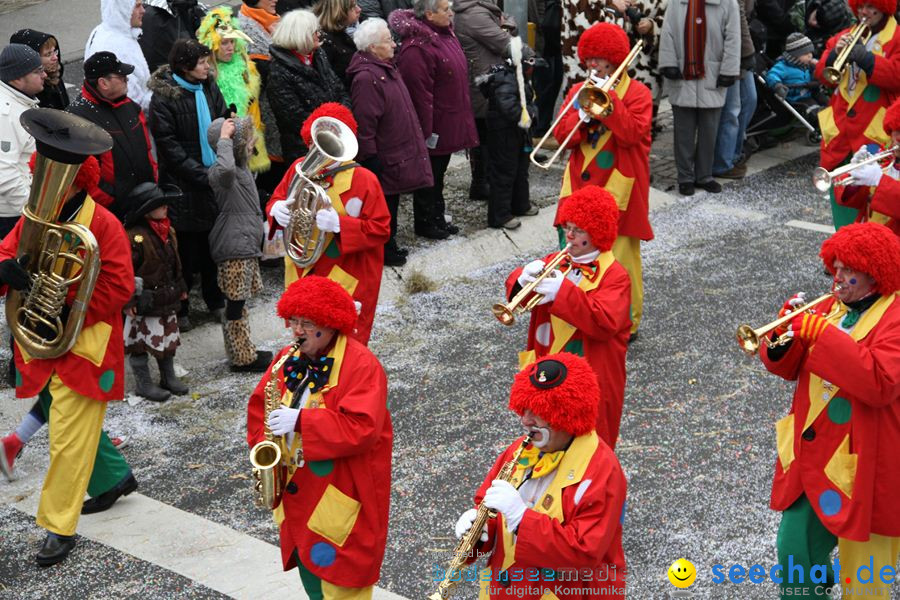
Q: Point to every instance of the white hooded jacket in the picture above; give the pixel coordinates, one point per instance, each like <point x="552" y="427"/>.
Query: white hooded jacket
<point x="16" y="146"/>
<point x="115" y="34"/>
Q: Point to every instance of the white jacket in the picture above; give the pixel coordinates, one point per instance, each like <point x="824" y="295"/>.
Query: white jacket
<point x="16" y="146"/>
<point x="115" y="34"/>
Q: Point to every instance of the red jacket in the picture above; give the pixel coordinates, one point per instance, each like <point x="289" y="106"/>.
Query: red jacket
<point x="883" y="201"/>
<point x="601" y="322"/>
<point x="839" y="443"/>
<point x="571" y="541"/>
<point x="336" y="504"/>
<point x="355" y="256"/>
<point x="620" y="161"/>
<point x="851" y="121"/>
<point x="94" y="367"/>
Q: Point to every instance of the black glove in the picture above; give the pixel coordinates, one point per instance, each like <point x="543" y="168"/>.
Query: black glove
<point x="862" y="58"/>
<point x="145" y="302"/>
<point x="13" y="273"/>
<point x="725" y="81"/>
<point x="781" y="90"/>
<point x="671" y="72"/>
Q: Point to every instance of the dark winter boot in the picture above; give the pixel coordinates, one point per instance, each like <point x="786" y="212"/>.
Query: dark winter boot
<point x="145" y="386"/>
<point x="167" y="378"/>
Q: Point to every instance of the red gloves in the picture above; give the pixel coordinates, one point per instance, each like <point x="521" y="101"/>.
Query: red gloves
<point x="808" y="327"/>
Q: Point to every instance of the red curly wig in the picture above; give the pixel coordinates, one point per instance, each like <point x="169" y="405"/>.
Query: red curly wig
<point x="88" y="177"/>
<point x="561" y="389"/>
<point x="888" y="7"/>
<point x="868" y="247"/>
<point x="321" y="300"/>
<point x="892" y="118"/>
<point x="593" y="209"/>
<point x="335" y="110"/>
<point x="604" y="40"/>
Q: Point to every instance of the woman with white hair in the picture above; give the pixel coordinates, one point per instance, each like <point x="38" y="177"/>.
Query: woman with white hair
<point x="300" y="78"/>
<point x="391" y="143"/>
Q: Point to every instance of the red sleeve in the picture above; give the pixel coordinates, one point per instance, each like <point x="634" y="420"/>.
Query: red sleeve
<point x="886" y="198"/>
<point x="886" y="73"/>
<point x="585" y="537"/>
<point x="372" y="228"/>
<point x="115" y="283"/>
<point x="570" y="121"/>
<point x="870" y="373"/>
<point x="854" y="196"/>
<point x="600" y="313"/>
<point x="256" y="405"/>
<point x="788" y="366"/>
<point x="630" y="119"/>
<point x="102" y="192"/>
<point x="280" y="193"/>
<point x="356" y="420"/>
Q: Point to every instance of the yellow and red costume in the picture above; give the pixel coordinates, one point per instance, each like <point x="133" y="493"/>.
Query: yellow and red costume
<point x="614" y="152"/>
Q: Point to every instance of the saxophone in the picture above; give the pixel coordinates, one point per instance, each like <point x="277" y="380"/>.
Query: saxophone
<point x="265" y="456"/>
<point x="468" y="541"/>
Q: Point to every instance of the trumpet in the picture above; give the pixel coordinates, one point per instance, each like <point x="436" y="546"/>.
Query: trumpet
<point x="859" y="33"/>
<point x="593" y="99"/>
<point x="750" y="339"/>
<point x="506" y="313"/>
<point x="823" y="179"/>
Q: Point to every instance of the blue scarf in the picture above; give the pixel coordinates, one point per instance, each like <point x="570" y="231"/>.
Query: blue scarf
<point x="203" y="118"/>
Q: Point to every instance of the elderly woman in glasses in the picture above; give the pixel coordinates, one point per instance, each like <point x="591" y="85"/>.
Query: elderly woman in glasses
<point x="300" y="78"/>
<point x="391" y="143"/>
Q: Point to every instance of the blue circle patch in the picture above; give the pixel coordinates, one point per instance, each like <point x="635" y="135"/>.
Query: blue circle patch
<point x="322" y="554"/>
<point x="830" y="503"/>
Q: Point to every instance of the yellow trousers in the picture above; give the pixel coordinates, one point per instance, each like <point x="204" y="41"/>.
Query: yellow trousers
<point x="336" y="592"/>
<point x="75" y="422"/>
<point x="878" y="552"/>
<point x="627" y="251"/>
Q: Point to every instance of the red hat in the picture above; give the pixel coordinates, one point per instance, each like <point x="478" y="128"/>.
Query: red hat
<point x="892" y="118"/>
<point x="604" y="40"/>
<point x="321" y="300"/>
<point x="888" y="7"/>
<point x="561" y="389"/>
<point x="88" y="177"/>
<point x="868" y="247"/>
<point x="593" y="209"/>
<point x="329" y="109"/>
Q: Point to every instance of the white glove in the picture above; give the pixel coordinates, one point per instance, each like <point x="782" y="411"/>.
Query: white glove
<point x="799" y="299"/>
<point x="531" y="271"/>
<point x="465" y="523"/>
<point x="283" y="420"/>
<point x="281" y="212"/>
<point x="357" y="305"/>
<point x="504" y="498"/>
<point x="860" y="154"/>
<point x="549" y="285"/>
<point x="583" y="115"/>
<point x="597" y="81"/>
<point x="327" y="219"/>
<point x="867" y="175"/>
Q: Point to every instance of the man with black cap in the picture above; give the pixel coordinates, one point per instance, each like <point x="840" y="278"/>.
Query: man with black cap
<point x="561" y="511"/>
<point x="21" y="80"/>
<point x="76" y="381"/>
<point x="104" y="102"/>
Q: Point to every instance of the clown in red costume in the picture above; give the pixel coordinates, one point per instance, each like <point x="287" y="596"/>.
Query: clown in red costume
<point x="869" y="84"/>
<point x="586" y="311"/>
<point x="875" y="192"/>
<point x="75" y="386"/>
<point x="560" y="516"/>
<point x="613" y="152"/>
<point x="836" y="478"/>
<point x="356" y="226"/>
<point x="336" y="429"/>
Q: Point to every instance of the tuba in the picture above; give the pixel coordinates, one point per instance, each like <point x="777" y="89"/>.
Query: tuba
<point x="61" y="256"/>
<point x="268" y="471"/>
<point x="332" y="143"/>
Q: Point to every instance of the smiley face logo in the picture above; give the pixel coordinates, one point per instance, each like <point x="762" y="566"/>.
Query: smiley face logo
<point x="682" y="573"/>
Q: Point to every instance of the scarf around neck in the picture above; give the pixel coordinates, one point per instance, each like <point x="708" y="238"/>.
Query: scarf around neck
<point x="203" y="117"/>
<point x="160" y="227"/>
<point x="266" y="19"/>
<point x="694" y="39"/>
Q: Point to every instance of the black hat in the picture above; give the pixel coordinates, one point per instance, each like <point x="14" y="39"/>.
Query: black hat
<point x="64" y="137"/>
<point x="148" y="196"/>
<point x="102" y="64"/>
<point x="18" y="60"/>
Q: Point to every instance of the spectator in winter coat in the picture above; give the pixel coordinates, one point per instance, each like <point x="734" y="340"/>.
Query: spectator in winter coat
<point x="185" y="101"/>
<point x="391" y="144"/>
<point x="104" y="102"/>
<point x="337" y="21"/>
<point x="257" y="19"/>
<point x="118" y="33"/>
<point x="165" y="22"/>
<point x="54" y="94"/>
<point x="300" y="79"/>
<point x="434" y="69"/>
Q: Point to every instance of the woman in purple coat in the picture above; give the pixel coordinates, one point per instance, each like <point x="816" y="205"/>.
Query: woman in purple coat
<point x="391" y="143"/>
<point x="435" y="71"/>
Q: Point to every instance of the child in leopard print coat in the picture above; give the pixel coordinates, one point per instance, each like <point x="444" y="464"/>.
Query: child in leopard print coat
<point x="235" y="241"/>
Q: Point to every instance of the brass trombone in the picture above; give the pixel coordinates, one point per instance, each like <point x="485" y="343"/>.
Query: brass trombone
<point x="823" y="179"/>
<point x="593" y="99"/>
<point x="750" y="339"/>
<point x="506" y="313"/>
<point x="859" y="33"/>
